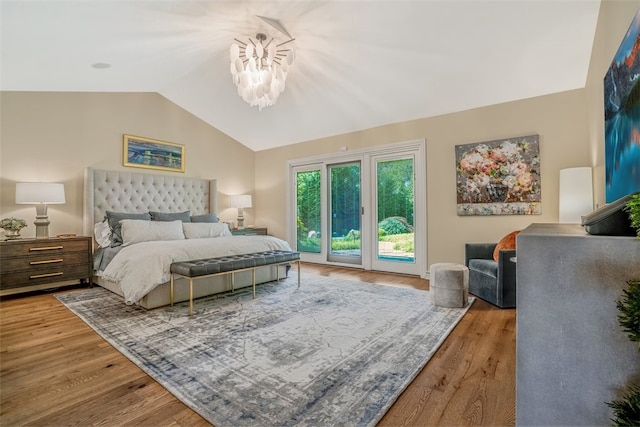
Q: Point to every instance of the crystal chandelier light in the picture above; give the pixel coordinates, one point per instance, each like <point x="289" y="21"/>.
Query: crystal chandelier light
<point x="260" y="70"/>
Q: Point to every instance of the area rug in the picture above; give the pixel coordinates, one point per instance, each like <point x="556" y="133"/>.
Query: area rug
<point x="332" y="352"/>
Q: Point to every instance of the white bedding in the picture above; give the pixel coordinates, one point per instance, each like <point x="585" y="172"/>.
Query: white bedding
<point x="140" y="267"/>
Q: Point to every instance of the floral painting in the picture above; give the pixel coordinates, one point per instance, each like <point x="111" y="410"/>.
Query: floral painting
<point x="499" y="177"/>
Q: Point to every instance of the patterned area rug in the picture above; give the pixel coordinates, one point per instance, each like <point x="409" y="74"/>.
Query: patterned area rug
<point x="332" y="352"/>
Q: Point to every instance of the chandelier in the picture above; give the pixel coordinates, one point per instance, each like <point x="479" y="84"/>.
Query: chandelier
<point x="260" y="70"/>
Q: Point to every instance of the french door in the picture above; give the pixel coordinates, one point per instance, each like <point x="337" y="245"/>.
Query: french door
<point x="360" y="209"/>
<point x="344" y="239"/>
<point x="393" y="228"/>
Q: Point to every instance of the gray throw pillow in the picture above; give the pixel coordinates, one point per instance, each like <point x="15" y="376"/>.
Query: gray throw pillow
<point x="205" y="218"/>
<point x="167" y="216"/>
<point x="113" y="218"/>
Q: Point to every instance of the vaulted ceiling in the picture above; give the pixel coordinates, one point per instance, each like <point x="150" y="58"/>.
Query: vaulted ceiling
<point x="359" y="63"/>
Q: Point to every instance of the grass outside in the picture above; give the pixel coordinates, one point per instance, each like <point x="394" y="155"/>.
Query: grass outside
<point x="401" y="242"/>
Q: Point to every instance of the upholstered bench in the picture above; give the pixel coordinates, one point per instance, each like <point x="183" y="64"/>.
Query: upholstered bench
<point x="201" y="268"/>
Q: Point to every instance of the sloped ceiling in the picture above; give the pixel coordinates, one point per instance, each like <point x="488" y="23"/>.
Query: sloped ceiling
<point x="359" y="64"/>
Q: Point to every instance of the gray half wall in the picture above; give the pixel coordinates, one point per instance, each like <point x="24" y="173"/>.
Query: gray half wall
<point x="571" y="355"/>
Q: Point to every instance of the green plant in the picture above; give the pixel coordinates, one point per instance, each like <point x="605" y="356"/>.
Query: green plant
<point x="302" y="229"/>
<point x="309" y="244"/>
<point x="395" y="225"/>
<point x="632" y="208"/>
<point x="626" y="411"/>
<point x="342" y="244"/>
<point x="404" y="246"/>
<point x="353" y="235"/>
<point x="13" y="223"/>
<point x="629" y="311"/>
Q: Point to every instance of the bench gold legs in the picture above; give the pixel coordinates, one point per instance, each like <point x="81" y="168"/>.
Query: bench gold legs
<point x="171" y="292"/>
<point x="171" y="295"/>
<point x="253" y="281"/>
<point x="190" y="296"/>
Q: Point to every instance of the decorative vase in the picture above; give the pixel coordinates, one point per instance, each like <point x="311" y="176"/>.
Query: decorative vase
<point x="11" y="234"/>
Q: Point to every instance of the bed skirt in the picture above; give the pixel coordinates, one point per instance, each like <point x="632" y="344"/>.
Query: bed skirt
<point x="160" y="296"/>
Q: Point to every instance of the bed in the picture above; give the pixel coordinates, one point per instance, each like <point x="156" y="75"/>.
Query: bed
<point x="147" y="247"/>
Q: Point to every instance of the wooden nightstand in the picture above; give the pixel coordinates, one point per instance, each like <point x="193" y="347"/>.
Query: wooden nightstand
<point x="250" y="232"/>
<point x="32" y="264"/>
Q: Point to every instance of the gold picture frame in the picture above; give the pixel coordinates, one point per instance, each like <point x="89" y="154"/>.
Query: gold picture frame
<point x="147" y="153"/>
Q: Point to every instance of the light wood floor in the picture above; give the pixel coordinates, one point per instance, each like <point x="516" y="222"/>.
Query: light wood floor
<point x="54" y="370"/>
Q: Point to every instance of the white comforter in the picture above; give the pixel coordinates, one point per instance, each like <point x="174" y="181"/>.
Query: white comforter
<point x="139" y="268"/>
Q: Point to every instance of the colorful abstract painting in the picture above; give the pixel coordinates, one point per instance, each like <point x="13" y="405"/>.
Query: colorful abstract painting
<point x="622" y="117"/>
<point x="499" y="177"/>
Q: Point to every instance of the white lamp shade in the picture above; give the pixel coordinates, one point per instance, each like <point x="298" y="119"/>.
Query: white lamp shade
<point x="240" y="201"/>
<point x="576" y="194"/>
<point x="32" y="193"/>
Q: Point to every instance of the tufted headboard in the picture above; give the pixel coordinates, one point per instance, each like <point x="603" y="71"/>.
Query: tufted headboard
<point x="137" y="193"/>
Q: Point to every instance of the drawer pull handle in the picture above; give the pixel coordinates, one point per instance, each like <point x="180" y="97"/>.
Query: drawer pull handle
<point x="48" y="248"/>
<point x="39" y="276"/>
<point x="49" y="261"/>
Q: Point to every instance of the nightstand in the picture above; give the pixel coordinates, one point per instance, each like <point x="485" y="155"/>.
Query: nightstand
<point x="250" y="232"/>
<point x="33" y="264"/>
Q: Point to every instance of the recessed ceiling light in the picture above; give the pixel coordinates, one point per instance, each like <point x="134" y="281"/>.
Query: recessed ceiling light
<point x="100" y="65"/>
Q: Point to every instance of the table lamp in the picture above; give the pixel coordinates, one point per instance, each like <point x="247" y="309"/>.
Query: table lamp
<point x="575" y="194"/>
<point x="240" y="201"/>
<point x="40" y="194"/>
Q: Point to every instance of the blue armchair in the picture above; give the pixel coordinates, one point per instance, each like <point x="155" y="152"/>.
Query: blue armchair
<point x="494" y="282"/>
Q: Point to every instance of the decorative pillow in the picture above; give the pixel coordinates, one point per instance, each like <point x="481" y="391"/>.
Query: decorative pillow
<point x="506" y="243"/>
<point x="166" y="216"/>
<point x="136" y="231"/>
<point x="205" y="218"/>
<point x="195" y="230"/>
<point x="102" y="233"/>
<point x="114" y="219"/>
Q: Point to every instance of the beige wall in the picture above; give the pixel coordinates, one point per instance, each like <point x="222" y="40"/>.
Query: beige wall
<point x="570" y="126"/>
<point x="559" y="119"/>
<point x="54" y="136"/>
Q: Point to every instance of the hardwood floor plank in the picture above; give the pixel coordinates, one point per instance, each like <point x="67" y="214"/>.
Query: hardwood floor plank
<point x="121" y="405"/>
<point x="55" y="370"/>
<point x="112" y="380"/>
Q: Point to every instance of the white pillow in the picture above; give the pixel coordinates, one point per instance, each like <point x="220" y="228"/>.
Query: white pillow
<point x="137" y="231"/>
<point x="201" y="230"/>
<point x="102" y="233"/>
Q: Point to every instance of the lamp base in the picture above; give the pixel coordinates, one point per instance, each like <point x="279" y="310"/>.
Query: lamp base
<point x="41" y="222"/>
<point x="42" y="229"/>
<point x="240" y="219"/>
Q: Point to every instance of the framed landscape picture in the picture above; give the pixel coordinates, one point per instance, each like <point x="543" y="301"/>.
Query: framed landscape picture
<point x="622" y="117"/>
<point x="499" y="177"/>
<point x="139" y="152"/>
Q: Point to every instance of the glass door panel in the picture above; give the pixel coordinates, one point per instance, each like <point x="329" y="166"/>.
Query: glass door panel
<point x="395" y="213"/>
<point x="308" y="211"/>
<point x="345" y="213"/>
